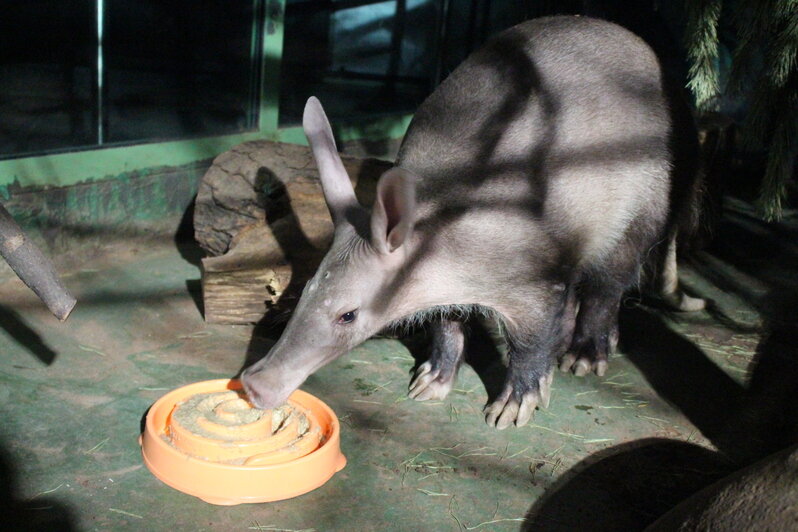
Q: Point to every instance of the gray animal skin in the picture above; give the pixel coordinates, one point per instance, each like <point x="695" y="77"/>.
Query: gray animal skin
<point x="533" y="184"/>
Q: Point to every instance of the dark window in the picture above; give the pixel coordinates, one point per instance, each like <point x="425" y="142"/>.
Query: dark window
<point x="47" y="84"/>
<point x="179" y="68"/>
<point x="86" y="73"/>
<point x="371" y="57"/>
<point x="360" y="57"/>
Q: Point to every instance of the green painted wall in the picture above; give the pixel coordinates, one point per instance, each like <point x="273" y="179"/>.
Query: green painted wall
<point x="65" y="169"/>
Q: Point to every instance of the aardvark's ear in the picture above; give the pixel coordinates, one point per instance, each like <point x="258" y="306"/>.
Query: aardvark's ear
<point x="394" y="210"/>
<point x="338" y="191"/>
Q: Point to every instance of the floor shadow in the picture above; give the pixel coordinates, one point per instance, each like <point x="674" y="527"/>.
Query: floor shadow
<point x="184" y="239"/>
<point x="679" y="371"/>
<point x="35" y="514"/>
<point x="755" y="262"/>
<point x="190" y="250"/>
<point x="745" y="422"/>
<point x="194" y="288"/>
<point x="25" y="336"/>
<point x="626" y="487"/>
<point x="765" y="418"/>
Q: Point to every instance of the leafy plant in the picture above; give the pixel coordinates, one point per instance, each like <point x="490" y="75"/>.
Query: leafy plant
<point x="766" y="60"/>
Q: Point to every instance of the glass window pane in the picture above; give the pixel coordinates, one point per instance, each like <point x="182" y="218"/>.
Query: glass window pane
<point x="360" y="57"/>
<point x="47" y="75"/>
<point x="179" y="68"/>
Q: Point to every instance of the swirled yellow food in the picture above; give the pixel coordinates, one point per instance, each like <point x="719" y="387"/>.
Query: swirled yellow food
<point x="225" y="427"/>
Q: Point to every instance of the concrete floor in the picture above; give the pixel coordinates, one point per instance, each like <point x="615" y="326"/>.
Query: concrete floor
<point x="690" y="398"/>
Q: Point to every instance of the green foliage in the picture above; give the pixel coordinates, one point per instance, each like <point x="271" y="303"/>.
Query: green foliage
<point x="702" y="51"/>
<point x="766" y="59"/>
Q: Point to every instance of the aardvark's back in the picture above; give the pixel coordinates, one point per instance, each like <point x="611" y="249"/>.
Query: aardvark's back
<point x="561" y="121"/>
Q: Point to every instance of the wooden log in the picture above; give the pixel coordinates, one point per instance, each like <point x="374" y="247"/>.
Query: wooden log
<point x="244" y="284"/>
<point x="250" y="183"/>
<point x="261" y="216"/>
<point x="33" y="267"/>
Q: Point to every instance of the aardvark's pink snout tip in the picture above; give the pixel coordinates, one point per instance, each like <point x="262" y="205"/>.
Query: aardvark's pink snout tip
<point x="262" y="393"/>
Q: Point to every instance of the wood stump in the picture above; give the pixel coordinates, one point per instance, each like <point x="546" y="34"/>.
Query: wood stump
<point x="260" y="216"/>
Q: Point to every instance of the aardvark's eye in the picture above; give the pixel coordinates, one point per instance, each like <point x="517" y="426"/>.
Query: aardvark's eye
<point x="347" y="317"/>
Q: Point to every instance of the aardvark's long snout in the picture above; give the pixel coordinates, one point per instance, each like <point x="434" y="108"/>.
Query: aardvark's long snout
<point x="268" y="384"/>
<point x="261" y="393"/>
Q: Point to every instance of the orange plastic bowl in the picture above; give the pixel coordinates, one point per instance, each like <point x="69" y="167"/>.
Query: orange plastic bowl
<point x="199" y="464"/>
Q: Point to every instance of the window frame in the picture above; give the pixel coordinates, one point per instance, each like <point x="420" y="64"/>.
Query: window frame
<point x="92" y="163"/>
